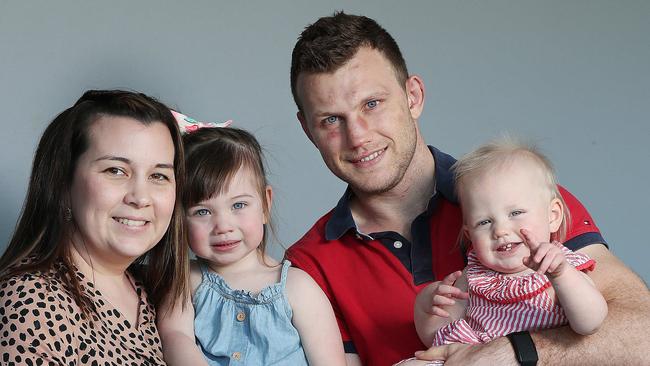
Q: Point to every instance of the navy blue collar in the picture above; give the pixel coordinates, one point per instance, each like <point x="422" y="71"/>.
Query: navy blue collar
<point x="341" y="220"/>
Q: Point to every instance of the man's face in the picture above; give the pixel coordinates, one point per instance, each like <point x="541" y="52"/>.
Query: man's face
<point x="361" y="120"/>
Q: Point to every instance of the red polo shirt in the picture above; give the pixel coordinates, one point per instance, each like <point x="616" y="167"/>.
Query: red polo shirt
<point x="372" y="279"/>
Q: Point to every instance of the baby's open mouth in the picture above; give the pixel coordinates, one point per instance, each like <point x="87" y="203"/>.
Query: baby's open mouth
<point x="507" y="247"/>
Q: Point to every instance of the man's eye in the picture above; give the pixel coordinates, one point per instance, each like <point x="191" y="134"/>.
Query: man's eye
<point x="331" y="119"/>
<point x="372" y="104"/>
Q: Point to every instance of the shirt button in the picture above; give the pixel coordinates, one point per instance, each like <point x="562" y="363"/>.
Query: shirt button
<point x="241" y="316"/>
<point x="236" y="356"/>
<point x="397" y="244"/>
<point x="358" y="236"/>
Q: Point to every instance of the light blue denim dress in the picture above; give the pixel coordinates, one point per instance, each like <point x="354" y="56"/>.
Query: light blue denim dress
<point x="235" y="328"/>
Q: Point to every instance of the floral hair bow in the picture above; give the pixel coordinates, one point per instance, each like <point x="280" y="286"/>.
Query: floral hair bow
<point x="189" y="125"/>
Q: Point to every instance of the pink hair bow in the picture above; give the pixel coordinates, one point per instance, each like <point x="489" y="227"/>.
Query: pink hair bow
<point x="189" y="125"/>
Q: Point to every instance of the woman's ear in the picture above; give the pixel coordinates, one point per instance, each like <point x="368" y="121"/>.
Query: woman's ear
<point x="555" y="214"/>
<point x="268" y="192"/>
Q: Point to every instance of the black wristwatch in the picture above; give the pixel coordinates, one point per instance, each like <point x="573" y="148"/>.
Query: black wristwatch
<point x="525" y="350"/>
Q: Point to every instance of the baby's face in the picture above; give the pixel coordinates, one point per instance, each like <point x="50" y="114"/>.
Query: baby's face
<point x="498" y="203"/>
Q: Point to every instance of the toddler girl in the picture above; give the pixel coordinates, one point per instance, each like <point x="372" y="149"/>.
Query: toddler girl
<point x="518" y="277"/>
<point x="245" y="307"/>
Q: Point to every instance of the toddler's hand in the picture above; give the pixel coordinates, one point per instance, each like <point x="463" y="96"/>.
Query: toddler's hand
<point x="545" y="258"/>
<point x="441" y="294"/>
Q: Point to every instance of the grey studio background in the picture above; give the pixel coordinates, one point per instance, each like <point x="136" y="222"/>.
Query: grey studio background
<point x="572" y="75"/>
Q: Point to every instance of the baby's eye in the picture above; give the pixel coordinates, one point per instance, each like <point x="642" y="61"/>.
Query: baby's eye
<point x="483" y="222"/>
<point x="201" y="212"/>
<point x="516" y="213"/>
<point x="239" y="205"/>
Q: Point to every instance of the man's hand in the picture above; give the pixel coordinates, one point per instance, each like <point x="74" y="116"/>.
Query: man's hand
<point x="497" y="352"/>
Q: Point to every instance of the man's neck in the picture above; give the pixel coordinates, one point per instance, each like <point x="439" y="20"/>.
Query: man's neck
<point x="395" y="209"/>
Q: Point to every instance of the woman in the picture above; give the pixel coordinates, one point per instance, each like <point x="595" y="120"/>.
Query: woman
<point x="102" y="214"/>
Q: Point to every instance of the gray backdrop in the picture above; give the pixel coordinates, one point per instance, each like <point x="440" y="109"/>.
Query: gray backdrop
<point x="572" y="75"/>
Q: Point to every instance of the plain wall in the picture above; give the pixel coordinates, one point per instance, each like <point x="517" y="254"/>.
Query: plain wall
<point x="573" y="76"/>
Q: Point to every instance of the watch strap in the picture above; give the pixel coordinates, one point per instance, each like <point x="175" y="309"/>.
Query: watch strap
<point x="524" y="347"/>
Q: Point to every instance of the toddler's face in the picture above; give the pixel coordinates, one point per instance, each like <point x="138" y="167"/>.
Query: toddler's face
<point x="228" y="227"/>
<point x="501" y="201"/>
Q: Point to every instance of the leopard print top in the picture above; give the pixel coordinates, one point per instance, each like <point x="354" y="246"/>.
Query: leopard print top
<point x="40" y="324"/>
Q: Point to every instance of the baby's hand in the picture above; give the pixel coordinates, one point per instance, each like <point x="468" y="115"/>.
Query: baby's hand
<point x="443" y="294"/>
<point x="545" y="258"/>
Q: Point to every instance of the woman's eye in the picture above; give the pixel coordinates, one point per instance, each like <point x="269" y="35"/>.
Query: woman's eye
<point x="115" y="171"/>
<point x="159" y="177"/>
<point x="239" y="205"/>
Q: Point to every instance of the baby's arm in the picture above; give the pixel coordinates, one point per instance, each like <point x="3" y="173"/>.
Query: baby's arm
<point x="176" y="328"/>
<point x="314" y="319"/>
<point x="439" y="304"/>
<point x="583" y="304"/>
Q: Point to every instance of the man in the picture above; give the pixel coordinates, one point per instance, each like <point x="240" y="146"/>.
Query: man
<point x="393" y="233"/>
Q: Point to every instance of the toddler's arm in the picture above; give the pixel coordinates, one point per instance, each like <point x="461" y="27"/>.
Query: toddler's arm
<point x="176" y="327"/>
<point x="439" y="304"/>
<point x="314" y="319"/>
<point x="583" y="304"/>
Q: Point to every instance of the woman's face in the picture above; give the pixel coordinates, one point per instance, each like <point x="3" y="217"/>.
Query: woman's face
<point x="123" y="190"/>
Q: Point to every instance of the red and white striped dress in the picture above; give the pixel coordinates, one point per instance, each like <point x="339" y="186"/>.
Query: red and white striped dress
<point x="499" y="305"/>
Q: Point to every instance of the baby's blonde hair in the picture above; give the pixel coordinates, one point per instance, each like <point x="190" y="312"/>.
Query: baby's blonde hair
<point x="503" y="151"/>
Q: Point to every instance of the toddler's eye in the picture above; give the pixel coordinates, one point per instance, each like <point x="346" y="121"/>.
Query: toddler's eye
<point x="201" y="212"/>
<point x="516" y="213"/>
<point x="483" y="222"/>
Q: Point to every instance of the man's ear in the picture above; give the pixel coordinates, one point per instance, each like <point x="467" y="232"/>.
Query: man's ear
<point x="555" y="214"/>
<point x="415" y="95"/>
<point x="303" y="124"/>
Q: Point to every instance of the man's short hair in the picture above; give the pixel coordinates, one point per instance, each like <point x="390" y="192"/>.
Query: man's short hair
<point x="332" y="41"/>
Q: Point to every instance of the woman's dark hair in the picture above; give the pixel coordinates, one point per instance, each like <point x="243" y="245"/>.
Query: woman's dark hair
<point x="213" y="157"/>
<point x="44" y="228"/>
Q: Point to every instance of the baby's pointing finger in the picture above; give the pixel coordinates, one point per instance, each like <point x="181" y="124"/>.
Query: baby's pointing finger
<point x="529" y="240"/>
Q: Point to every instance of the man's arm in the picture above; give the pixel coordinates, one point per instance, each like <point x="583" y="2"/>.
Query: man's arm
<point x="352" y="359"/>
<point x="620" y="340"/>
